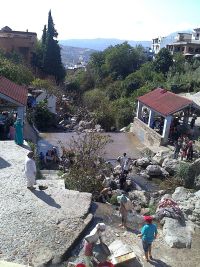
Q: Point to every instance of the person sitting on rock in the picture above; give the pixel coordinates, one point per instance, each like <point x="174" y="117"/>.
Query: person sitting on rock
<point x="54" y="154"/>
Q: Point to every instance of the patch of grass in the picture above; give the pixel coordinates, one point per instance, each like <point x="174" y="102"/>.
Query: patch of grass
<point x="152" y="209"/>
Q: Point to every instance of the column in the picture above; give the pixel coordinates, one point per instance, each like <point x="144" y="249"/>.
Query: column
<point x="139" y="110"/>
<point x="20" y="113"/>
<point x="151" y="117"/>
<point x="186" y="117"/>
<point x="166" y="129"/>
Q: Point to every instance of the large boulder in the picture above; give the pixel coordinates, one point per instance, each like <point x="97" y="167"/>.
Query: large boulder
<point x="142" y="162"/>
<point x="178" y="235"/>
<point x="139" y="197"/>
<point x="156" y="170"/>
<point x="181" y="194"/>
<point x="189" y="203"/>
<point x="161" y="155"/>
<point x="170" y="165"/>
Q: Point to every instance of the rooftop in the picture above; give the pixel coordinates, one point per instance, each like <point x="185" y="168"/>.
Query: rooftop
<point x="164" y="102"/>
<point x="16" y="92"/>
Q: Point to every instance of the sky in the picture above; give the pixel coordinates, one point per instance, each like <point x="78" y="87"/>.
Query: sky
<point x="87" y="19"/>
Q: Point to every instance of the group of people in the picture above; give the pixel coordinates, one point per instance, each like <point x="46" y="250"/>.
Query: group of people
<point x="50" y="156"/>
<point x="148" y="233"/>
<point x="116" y="178"/>
<point x="185" y="147"/>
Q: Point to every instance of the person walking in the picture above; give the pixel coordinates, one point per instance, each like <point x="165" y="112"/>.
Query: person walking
<point x="19" y="139"/>
<point x="30" y="170"/>
<point x="148" y="234"/>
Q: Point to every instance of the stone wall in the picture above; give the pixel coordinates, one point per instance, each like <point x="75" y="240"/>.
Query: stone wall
<point x="145" y="134"/>
<point x="20" y="42"/>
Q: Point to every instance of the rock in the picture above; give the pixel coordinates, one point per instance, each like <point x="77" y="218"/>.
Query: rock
<point x="164" y="172"/>
<point x="123" y="130"/>
<point x="177" y="235"/>
<point x="189" y="203"/>
<point x="195" y="166"/>
<point x="180" y="194"/>
<point x="197" y="182"/>
<point x="160" y="156"/>
<point x="197" y="194"/>
<point x="143" y="162"/>
<point x="170" y="165"/>
<point x="144" y="174"/>
<point x="154" y="170"/>
<point x="139" y="197"/>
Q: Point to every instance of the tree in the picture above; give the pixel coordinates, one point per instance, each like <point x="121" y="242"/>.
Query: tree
<point x="17" y="73"/>
<point x="44" y="36"/>
<point x="52" y="64"/>
<point x="83" y="174"/>
<point x="163" y="61"/>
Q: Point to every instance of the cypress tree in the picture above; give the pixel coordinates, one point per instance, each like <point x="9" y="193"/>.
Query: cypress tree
<point x="44" y="35"/>
<point x="52" y="57"/>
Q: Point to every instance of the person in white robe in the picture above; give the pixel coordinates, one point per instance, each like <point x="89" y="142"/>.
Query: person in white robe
<point x="30" y="170"/>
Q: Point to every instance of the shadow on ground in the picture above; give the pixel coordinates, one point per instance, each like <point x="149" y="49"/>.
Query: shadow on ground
<point x="46" y="198"/>
<point x="4" y="163"/>
<point x="158" y="263"/>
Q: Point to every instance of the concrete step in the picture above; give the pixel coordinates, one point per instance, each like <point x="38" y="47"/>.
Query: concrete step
<point x="50" y="174"/>
<point x="52" y="183"/>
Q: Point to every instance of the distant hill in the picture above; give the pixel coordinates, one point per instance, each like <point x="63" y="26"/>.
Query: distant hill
<point x="100" y="43"/>
<point x="77" y="50"/>
<point x="73" y="55"/>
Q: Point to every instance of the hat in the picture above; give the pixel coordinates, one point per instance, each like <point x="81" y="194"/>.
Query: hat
<point x="148" y="219"/>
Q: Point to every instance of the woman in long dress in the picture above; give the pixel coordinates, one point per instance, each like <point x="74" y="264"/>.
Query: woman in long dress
<point x="19" y="140"/>
<point x="30" y="170"/>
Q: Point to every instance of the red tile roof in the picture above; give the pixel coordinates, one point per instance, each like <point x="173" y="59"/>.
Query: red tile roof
<point x="164" y="102"/>
<point x="16" y="92"/>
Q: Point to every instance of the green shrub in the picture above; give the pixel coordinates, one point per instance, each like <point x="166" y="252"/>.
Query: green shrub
<point x="185" y="175"/>
<point x="43" y="118"/>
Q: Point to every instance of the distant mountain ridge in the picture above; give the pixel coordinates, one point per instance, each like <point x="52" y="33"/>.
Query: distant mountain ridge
<point x="76" y="50"/>
<point x="100" y="43"/>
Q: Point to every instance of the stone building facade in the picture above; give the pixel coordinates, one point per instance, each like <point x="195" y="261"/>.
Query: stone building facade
<point x="20" y="42"/>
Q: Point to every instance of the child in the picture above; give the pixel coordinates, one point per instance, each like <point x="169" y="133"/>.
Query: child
<point x="122" y="200"/>
<point x="148" y="234"/>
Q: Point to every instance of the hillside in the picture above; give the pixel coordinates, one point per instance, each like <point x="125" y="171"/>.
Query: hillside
<point x="74" y="55"/>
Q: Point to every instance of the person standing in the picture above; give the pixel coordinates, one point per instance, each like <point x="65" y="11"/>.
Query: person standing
<point x="148" y="234"/>
<point x="177" y="148"/>
<point x="123" y="161"/>
<point x="19" y="140"/>
<point x="30" y="170"/>
<point x="90" y="240"/>
<point x="190" y="150"/>
<point x="123" y="209"/>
